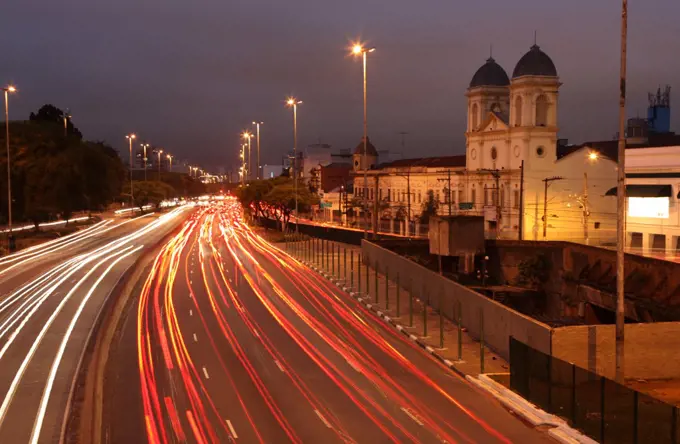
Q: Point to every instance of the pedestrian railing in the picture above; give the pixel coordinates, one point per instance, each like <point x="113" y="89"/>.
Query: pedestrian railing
<point x="601" y="408"/>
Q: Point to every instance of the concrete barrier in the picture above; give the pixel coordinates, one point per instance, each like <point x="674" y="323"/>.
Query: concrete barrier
<point x="500" y="322"/>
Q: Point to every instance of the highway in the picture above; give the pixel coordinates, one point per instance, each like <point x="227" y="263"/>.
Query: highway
<point x="50" y="297"/>
<point x="230" y="339"/>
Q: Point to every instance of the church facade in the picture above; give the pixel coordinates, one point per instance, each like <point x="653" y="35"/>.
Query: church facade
<point x="516" y="172"/>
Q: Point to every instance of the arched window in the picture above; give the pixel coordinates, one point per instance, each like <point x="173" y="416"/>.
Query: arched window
<point x="518" y="111"/>
<point x="474" y="117"/>
<point x="542" y="110"/>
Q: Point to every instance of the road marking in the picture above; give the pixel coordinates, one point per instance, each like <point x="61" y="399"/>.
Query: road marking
<point x="231" y="429"/>
<point x="207" y="376"/>
<point x="318" y="413"/>
<point x="413" y="417"/>
<point x="191" y="312"/>
<point x="278" y="364"/>
<point x="195" y="338"/>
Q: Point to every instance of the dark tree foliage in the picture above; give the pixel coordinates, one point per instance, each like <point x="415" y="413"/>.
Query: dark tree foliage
<point x="51" y="114"/>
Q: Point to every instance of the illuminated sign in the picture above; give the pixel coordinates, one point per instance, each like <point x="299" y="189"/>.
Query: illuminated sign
<point x="656" y="207"/>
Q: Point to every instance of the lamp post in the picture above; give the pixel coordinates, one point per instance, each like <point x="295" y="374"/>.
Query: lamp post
<point x="169" y="156"/>
<point x="358" y="49"/>
<point x="246" y="135"/>
<point x="159" y="152"/>
<point x="293" y="103"/>
<point x="7" y="90"/>
<point x="67" y="116"/>
<point x="144" y="159"/>
<point x="130" y="138"/>
<point x="257" y="172"/>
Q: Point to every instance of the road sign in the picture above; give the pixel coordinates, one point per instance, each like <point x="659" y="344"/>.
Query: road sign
<point x="466" y="205"/>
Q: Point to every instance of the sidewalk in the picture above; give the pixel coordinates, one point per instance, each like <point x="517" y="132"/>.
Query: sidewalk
<point x="394" y="303"/>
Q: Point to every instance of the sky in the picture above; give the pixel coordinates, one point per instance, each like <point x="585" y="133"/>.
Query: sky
<point x="189" y="76"/>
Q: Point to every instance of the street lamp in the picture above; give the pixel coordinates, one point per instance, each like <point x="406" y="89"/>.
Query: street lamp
<point x="293" y="103"/>
<point x="246" y="135"/>
<point x="358" y="49"/>
<point x="130" y="138"/>
<point x="7" y="90"/>
<point x="257" y="173"/>
<point x="169" y="156"/>
<point x="159" y="152"/>
<point x="145" y="146"/>
<point x="67" y="116"/>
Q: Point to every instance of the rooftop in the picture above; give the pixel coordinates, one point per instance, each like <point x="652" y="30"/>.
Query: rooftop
<point x="428" y="162"/>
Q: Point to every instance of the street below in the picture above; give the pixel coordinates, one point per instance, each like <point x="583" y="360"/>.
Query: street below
<point x="231" y="339"/>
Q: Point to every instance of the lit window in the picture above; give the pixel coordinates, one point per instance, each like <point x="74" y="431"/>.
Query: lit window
<point x="656" y="207"/>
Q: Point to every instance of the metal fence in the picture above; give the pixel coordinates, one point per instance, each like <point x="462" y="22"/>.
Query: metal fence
<point x="601" y="408"/>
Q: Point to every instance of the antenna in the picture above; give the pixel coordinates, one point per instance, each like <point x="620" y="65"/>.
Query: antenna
<point x="535" y="37"/>
<point x="491" y="51"/>
<point x="403" y="139"/>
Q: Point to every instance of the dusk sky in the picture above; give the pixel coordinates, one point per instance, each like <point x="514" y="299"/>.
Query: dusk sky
<point x="189" y="75"/>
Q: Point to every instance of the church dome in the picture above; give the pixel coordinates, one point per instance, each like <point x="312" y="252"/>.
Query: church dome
<point x="535" y="63"/>
<point x="490" y="74"/>
<point x="370" y="149"/>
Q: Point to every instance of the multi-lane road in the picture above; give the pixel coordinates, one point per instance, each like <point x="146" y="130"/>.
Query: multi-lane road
<point x="230" y="339"/>
<point x="50" y="298"/>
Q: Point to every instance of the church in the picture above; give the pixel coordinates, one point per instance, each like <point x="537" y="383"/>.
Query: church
<point x="517" y="173"/>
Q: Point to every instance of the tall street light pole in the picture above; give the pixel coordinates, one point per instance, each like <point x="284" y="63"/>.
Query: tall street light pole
<point x="621" y="201"/>
<point x="7" y="90"/>
<point x="358" y="49"/>
<point x="293" y="102"/>
<point x="67" y="116"/>
<point x="130" y="138"/>
<point x="248" y="137"/>
<point x="169" y="156"/>
<point x="257" y="172"/>
<point x="159" y="164"/>
<point x="145" y="146"/>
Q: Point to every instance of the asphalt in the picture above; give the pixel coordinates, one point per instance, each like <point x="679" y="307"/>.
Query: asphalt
<point x="230" y="339"/>
<point x="50" y="298"/>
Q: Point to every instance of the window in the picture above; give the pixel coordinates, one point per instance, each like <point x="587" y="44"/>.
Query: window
<point x="515" y="203"/>
<point x="473" y="196"/>
<point x="518" y="111"/>
<point x="389" y="195"/>
<point x="502" y="197"/>
<point x="474" y="117"/>
<point x="460" y="196"/>
<point x="494" y="153"/>
<point x="381" y="194"/>
<point x="419" y="196"/>
<point x="371" y="193"/>
<point x="486" y="196"/>
<point x="542" y="110"/>
<point x="540" y="151"/>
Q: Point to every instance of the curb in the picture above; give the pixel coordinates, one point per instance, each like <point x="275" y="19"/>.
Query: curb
<point x="384" y="317"/>
<point x="560" y="430"/>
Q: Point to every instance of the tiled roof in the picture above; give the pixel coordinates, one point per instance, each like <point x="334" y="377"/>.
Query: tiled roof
<point x="429" y="162"/>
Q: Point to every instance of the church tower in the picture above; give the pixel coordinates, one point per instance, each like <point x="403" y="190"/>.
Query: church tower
<point x="488" y="92"/>
<point x="358" y="156"/>
<point x="534" y="91"/>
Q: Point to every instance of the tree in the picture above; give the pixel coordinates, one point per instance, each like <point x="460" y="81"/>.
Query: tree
<point x="151" y="193"/>
<point x="281" y="199"/>
<point x="51" y="114"/>
<point x="429" y="207"/>
<point x="534" y="272"/>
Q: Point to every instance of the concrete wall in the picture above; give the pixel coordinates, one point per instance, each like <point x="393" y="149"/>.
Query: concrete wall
<point x="650" y="349"/>
<point x="500" y="322"/>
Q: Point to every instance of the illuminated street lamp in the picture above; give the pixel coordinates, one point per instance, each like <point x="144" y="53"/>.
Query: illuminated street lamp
<point x="257" y="172"/>
<point x="130" y="138"/>
<point x="7" y="90"/>
<point x="67" y="117"/>
<point x="159" y="164"/>
<point x="293" y="103"/>
<point x="593" y="155"/>
<point x="169" y="156"/>
<point x="145" y="146"/>
<point x="358" y="49"/>
<point x="248" y="136"/>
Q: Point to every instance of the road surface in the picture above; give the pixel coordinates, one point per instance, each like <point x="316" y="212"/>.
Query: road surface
<point x="230" y="339"/>
<point x="50" y="296"/>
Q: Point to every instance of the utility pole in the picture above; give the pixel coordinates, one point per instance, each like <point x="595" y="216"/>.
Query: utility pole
<point x="586" y="211"/>
<point x="547" y="181"/>
<point x="521" y="202"/>
<point x="621" y="202"/>
<point x="496" y="173"/>
<point x="448" y="188"/>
